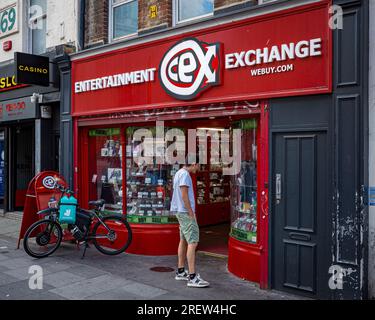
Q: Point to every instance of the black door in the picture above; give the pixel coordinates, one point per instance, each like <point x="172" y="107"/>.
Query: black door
<point x="300" y="214"/>
<point x="22" y="164"/>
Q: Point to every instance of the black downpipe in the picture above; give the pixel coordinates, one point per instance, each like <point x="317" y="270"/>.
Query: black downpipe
<point x="82" y="11"/>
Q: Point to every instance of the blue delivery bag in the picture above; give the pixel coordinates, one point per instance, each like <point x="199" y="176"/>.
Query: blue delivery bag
<point x="68" y="208"/>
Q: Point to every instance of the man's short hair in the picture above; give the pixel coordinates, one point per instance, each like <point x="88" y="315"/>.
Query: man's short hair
<point x="190" y="159"/>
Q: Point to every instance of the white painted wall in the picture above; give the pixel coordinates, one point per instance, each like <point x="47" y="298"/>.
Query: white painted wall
<point x="62" y="26"/>
<point x="62" y="22"/>
<point x="371" y="261"/>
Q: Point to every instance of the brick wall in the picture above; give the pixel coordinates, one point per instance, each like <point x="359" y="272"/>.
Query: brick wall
<point x="154" y="13"/>
<point x="221" y="4"/>
<point x="96" y="22"/>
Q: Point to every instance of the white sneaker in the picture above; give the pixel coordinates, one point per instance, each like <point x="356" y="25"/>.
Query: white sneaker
<point x="197" y="282"/>
<point x="182" y="276"/>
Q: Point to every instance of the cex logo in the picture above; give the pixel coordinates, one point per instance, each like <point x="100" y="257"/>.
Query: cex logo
<point x="189" y="68"/>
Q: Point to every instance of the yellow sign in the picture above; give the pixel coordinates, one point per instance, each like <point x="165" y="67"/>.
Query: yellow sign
<point x="153" y="11"/>
<point x="7" y="82"/>
<point x="32" y="69"/>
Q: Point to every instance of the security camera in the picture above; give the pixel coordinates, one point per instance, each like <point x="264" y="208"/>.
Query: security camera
<point x="33" y="98"/>
<point x="36" y="97"/>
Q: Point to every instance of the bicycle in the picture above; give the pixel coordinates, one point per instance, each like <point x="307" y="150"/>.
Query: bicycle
<point x="111" y="235"/>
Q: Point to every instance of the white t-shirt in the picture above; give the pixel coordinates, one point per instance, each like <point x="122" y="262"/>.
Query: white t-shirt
<point x="182" y="178"/>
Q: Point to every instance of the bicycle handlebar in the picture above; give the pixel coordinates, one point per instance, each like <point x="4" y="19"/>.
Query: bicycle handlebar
<point x="63" y="190"/>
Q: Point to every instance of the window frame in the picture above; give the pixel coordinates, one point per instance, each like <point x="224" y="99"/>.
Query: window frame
<point x="30" y="31"/>
<point x="176" y="21"/>
<point x="262" y="2"/>
<point x="111" y="28"/>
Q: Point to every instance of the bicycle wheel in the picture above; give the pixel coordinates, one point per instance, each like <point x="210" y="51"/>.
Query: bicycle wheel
<point x="113" y="238"/>
<point x="42" y="238"/>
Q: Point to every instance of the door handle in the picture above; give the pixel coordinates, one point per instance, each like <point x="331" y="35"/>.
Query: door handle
<point x="278" y="187"/>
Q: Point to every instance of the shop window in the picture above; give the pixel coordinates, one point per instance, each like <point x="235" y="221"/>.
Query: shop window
<point x="105" y="168"/>
<point x="212" y="185"/>
<point x="37" y="25"/>
<point x="148" y="185"/>
<point x="244" y="186"/>
<point x="124" y="15"/>
<point x="186" y="10"/>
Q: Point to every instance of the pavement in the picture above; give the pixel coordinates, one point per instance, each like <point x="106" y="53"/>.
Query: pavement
<point x="124" y="277"/>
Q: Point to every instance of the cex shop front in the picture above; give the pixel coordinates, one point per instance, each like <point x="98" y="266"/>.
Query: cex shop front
<point x="205" y="92"/>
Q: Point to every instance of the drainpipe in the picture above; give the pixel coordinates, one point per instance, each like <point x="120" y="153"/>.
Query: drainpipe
<point x="81" y="24"/>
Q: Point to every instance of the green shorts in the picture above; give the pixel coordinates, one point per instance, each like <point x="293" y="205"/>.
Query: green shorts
<point x="189" y="229"/>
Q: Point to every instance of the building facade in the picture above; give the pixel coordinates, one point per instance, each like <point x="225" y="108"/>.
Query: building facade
<point x="31" y="114"/>
<point x="295" y="217"/>
<point x="292" y="75"/>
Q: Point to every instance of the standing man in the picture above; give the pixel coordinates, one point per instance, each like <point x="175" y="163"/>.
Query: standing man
<point x="183" y="204"/>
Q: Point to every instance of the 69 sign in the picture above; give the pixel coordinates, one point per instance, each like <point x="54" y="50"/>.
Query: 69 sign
<point x="190" y="67"/>
<point x="8" y="20"/>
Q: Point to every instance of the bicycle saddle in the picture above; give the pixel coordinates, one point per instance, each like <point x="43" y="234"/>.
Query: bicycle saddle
<point x="97" y="203"/>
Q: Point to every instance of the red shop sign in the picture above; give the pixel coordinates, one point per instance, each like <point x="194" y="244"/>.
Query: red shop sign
<point x="281" y="54"/>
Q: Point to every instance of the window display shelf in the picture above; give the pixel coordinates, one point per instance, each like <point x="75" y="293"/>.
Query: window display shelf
<point x="254" y="187"/>
<point x="105" y="172"/>
<point x="113" y="211"/>
<point x="154" y="186"/>
<point x="153" y="219"/>
<point x="219" y="186"/>
<point x="244" y="187"/>
<point x="220" y="200"/>
<point x="246" y="212"/>
<point x="212" y="187"/>
<point x="149" y="188"/>
<point x="242" y="235"/>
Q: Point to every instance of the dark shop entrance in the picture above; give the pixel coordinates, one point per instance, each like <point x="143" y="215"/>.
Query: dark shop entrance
<point x="21" y="162"/>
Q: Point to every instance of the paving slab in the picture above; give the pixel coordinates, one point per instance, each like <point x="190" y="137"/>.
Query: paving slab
<point x="3" y="269"/>
<point x="122" y="277"/>
<point x="43" y="296"/>
<point x="13" y="263"/>
<point x="90" y="287"/>
<point x="53" y="266"/>
<point x="115" y="294"/>
<point x="15" y="253"/>
<point x="172" y="296"/>
<point x="3" y="257"/>
<point x="86" y="272"/>
<point x="62" y="279"/>
<point x="143" y="290"/>
<point x="20" y="289"/>
<point x="22" y="273"/>
<point x="6" y="279"/>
